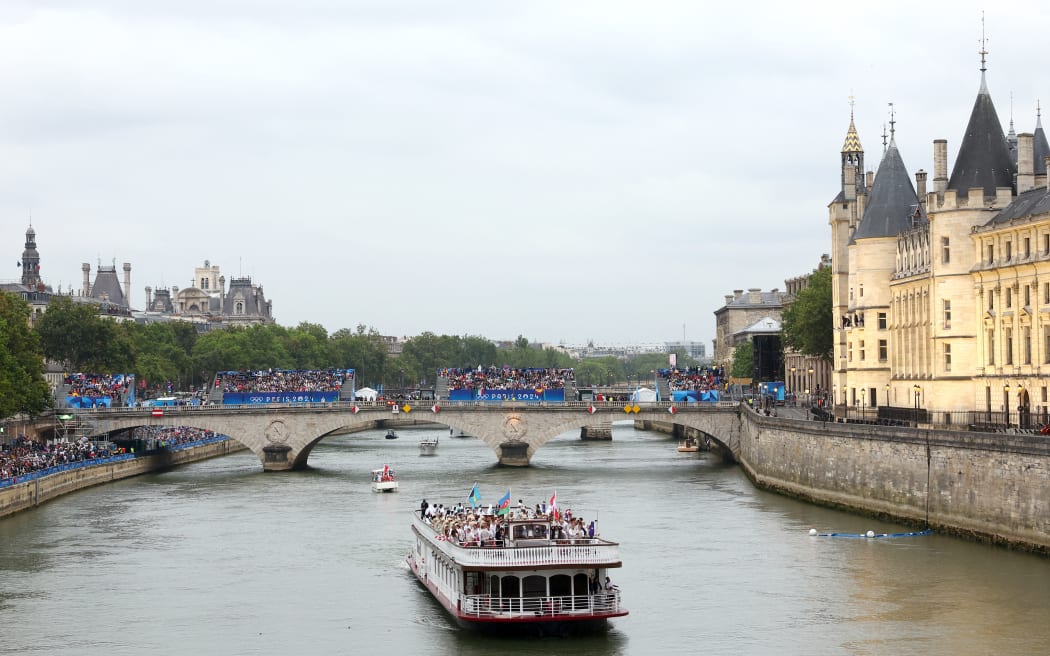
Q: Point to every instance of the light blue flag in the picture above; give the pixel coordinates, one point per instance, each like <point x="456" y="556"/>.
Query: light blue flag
<point x="475" y="497"/>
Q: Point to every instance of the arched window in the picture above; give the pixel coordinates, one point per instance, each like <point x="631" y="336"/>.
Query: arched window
<point x="239" y="308"/>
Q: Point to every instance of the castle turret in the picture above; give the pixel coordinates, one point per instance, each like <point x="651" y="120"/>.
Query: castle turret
<point x="984" y="159"/>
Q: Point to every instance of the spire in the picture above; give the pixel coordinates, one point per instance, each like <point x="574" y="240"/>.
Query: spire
<point x="885" y="142"/>
<point x="852" y="144"/>
<point x="984" y="158"/>
<point x="1040" y="147"/>
<point x="893" y="206"/>
<point x="853" y="155"/>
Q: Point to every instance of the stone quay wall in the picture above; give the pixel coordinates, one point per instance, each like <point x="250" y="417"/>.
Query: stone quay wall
<point x="35" y="492"/>
<point x="991" y="487"/>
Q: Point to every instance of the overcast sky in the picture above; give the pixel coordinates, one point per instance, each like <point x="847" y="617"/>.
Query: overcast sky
<point x="567" y="171"/>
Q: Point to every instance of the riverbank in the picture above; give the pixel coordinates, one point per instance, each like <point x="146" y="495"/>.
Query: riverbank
<point x="32" y="493"/>
<point x="992" y="488"/>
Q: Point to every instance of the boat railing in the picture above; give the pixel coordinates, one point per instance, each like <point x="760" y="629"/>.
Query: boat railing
<point x="486" y="606"/>
<point x="585" y="551"/>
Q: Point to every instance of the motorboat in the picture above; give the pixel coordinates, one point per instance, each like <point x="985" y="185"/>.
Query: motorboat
<point x="428" y="446"/>
<point x="391" y="435"/>
<point x="688" y="445"/>
<point x="527" y="580"/>
<point x="384" y="480"/>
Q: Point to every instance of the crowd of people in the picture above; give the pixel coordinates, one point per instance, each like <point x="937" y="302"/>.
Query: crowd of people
<point x="700" y="379"/>
<point x="507" y="378"/>
<point x="159" y="437"/>
<point x="486" y="526"/>
<point x="284" y="380"/>
<point x="24" y="456"/>
<point x="114" y="386"/>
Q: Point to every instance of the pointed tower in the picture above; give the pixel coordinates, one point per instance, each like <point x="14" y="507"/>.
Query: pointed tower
<point x="30" y="260"/>
<point x="984" y="159"/>
<point x="844" y="214"/>
<point x="893" y="213"/>
<point x="1040" y="148"/>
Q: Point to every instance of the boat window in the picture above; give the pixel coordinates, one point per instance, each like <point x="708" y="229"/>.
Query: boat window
<point x="534" y="586"/>
<point x="510" y="587"/>
<point x="530" y="531"/>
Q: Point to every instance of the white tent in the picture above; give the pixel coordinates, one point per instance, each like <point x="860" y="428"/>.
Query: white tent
<point x="643" y="395"/>
<point x="366" y="394"/>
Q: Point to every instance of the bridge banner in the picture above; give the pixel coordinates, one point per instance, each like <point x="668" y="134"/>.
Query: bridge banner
<point x="694" y="396"/>
<point x="89" y="401"/>
<point x="461" y="395"/>
<point x="260" y="398"/>
<point x="498" y="395"/>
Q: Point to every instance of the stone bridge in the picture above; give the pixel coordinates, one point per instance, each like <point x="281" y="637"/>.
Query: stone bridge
<point x="282" y="436"/>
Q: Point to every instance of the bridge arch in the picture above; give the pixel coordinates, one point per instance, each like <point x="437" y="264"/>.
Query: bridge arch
<point x="283" y="436"/>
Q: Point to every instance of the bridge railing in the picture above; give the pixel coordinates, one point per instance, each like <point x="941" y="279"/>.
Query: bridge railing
<point x="418" y="405"/>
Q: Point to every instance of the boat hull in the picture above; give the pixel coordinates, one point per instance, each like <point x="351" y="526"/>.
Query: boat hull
<point x="385" y="486"/>
<point x="538" y="626"/>
<point x="428" y="449"/>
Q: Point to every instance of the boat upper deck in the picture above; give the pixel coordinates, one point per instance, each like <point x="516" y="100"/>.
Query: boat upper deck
<point x="528" y="543"/>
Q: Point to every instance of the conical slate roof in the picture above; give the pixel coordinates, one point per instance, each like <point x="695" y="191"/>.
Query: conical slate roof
<point x="892" y="202"/>
<point x="984" y="157"/>
<point x="1040" y="148"/>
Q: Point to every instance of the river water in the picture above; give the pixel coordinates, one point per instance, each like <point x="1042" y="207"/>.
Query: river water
<point x="219" y="558"/>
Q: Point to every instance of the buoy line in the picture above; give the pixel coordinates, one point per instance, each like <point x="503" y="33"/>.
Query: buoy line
<point x="870" y="534"/>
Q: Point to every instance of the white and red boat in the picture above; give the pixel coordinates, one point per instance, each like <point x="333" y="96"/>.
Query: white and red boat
<point x="523" y="581"/>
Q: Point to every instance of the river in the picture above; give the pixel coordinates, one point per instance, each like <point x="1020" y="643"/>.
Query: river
<point x="219" y="558"/>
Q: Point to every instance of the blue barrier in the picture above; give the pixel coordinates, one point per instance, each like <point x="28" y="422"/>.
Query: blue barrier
<point x="58" y="469"/>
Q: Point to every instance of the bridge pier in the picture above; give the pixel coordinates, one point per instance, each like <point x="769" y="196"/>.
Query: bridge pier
<point x="275" y="457"/>
<point x="514" y="454"/>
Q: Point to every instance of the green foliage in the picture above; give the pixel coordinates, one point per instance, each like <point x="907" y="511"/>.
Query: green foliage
<point x="363" y="351"/>
<point x="22" y="384"/>
<point x="808" y="324"/>
<point x="744" y="361"/>
<point x="74" y="335"/>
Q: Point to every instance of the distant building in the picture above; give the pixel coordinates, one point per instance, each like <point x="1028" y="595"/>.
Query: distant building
<point x="743" y="312"/>
<point x="31" y="288"/>
<point x="808" y="377"/>
<point x="207" y="302"/>
<point x="695" y="350"/>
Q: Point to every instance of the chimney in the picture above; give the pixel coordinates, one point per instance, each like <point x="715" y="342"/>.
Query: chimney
<point x="737" y="293"/>
<point x="1025" y="162"/>
<point x="920" y="185"/>
<point x="940" y="165"/>
<point x="849" y="186"/>
<point x="86" y="268"/>
<point x="127" y="284"/>
<point x="729" y="299"/>
<point x="149" y="297"/>
<point x="869" y="178"/>
<point x="754" y="295"/>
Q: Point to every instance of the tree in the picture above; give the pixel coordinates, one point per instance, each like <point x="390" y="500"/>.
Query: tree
<point x="807" y="321"/>
<point x="75" y="335"/>
<point x="744" y="361"/>
<point x="22" y="384"/>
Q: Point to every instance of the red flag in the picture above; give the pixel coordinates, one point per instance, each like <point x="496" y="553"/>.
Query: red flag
<point x="552" y="510"/>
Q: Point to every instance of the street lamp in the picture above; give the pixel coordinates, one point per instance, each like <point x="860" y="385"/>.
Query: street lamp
<point x="918" y="391"/>
<point x="887" y="395"/>
<point x="812" y="383"/>
<point x="794" y="383"/>
<point x="1006" y="403"/>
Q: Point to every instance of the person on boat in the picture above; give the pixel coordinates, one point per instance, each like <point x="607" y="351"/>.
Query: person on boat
<point x="610" y="586"/>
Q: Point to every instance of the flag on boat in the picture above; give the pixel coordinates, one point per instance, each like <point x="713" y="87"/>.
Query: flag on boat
<point x="504" y="504"/>
<point x="552" y="508"/>
<point x="475" y="497"/>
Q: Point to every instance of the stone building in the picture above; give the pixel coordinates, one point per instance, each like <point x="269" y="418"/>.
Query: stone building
<point x="31" y="287"/>
<point x="742" y="311"/>
<point x="942" y="297"/>
<point x="807" y="377"/>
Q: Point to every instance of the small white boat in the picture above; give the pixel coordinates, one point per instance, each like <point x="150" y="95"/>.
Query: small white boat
<point x="428" y="446"/>
<point x="384" y="480"/>
<point x="688" y="445"/>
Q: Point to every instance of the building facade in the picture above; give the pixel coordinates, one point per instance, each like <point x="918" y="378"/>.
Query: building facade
<point x="942" y="297"/>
